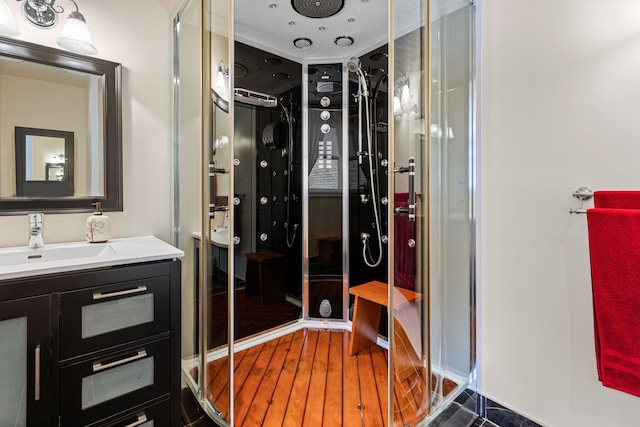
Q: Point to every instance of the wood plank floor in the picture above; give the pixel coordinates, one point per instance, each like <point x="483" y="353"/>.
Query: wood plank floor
<point x="307" y="379"/>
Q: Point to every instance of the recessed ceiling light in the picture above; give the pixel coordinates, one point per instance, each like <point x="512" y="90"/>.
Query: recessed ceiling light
<point x="322" y="28"/>
<point x="292" y="23"/>
<point x="351" y="20"/>
<point x="282" y="76"/>
<point x="344" y="41"/>
<point x="273" y="5"/>
<point x="273" y="61"/>
<point x="302" y="42"/>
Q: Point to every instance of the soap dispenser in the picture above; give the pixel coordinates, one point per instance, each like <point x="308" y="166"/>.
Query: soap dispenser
<point x="98" y="227"/>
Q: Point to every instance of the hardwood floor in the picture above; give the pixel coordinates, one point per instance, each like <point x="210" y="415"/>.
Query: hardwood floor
<point x="306" y="378"/>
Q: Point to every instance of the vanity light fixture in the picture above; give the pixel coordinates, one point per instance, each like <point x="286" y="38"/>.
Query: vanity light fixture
<point x="222" y="78"/>
<point x="40" y="13"/>
<point x="402" y="100"/>
<point x="75" y="35"/>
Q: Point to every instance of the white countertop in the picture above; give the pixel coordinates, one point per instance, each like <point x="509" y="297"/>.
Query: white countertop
<point x="219" y="237"/>
<point x="21" y="261"/>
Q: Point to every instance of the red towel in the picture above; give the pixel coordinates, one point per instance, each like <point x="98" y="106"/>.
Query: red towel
<point x="617" y="199"/>
<point x="614" y="248"/>
<point x="405" y="256"/>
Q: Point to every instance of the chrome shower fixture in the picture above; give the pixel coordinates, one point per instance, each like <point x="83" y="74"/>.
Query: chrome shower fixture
<point x="353" y="64"/>
<point x="317" y="8"/>
<point x="254" y="98"/>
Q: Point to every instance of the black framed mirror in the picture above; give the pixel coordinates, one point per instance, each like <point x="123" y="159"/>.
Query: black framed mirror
<point x="44" y="162"/>
<point x="45" y="89"/>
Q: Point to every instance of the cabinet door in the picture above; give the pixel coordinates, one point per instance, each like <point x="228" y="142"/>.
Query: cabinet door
<point x="25" y="362"/>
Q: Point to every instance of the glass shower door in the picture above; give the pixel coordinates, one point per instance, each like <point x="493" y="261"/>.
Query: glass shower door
<point x="452" y="187"/>
<point x="201" y="198"/>
<point x="433" y="338"/>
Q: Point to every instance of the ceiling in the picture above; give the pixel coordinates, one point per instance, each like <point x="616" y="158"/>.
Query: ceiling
<point x="266" y="59"/>
<point x="273" y="25"/>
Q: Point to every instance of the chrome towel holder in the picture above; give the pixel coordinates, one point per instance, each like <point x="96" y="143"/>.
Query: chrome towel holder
<point x="582" y="194"/>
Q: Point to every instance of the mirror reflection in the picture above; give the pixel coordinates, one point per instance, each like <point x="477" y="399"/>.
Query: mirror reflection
<point x="268" y="185"/>
<point x="44" y="163"/>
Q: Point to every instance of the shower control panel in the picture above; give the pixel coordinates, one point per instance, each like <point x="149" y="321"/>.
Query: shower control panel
<point x="325" y="86"/>
<point x="325" y="101"/>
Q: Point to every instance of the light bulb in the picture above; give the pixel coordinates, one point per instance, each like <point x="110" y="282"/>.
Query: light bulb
<point x="221" y="86"/>
<point x="405" y="98"/>
<point x="75" y="36"/>
<point x="397" y="109"/>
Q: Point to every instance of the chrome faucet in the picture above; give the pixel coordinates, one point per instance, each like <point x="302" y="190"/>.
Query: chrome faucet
<point x="35" y="231"/>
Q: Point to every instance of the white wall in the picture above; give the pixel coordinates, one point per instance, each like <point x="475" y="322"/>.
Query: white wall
<point x="560" y="109"/>
<point x="136" y="34"/>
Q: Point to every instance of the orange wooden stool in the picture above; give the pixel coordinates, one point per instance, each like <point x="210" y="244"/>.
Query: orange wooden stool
<point x="370" y="298"/>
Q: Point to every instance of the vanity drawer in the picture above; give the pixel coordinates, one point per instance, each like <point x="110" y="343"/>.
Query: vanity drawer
<point x="157" y="415"/>
<point x="96" y="318"/>
<point x="100" y="387"/>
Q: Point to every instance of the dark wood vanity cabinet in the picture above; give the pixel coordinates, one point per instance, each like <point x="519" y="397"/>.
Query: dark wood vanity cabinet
<point x="100" y="347"/>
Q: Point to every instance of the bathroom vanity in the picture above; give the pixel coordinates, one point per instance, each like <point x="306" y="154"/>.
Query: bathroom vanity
<point x="93" y="340"/>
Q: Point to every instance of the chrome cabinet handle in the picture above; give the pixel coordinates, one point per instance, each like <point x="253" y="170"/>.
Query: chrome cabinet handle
<point x="101" y="295"/>
<point x="141" y="420"/>
<point x="98" y="366"/>
<point x="37" y="369"/>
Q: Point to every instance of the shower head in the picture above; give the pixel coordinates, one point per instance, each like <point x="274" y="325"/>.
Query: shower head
<point x="353" y="64"/>
<point x="317" y="8"/>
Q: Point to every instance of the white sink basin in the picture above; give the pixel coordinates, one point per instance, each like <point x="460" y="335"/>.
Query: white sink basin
<point x="60" y="257"/>
<point x="22" y="255"/>
<point x="220" y="237"/>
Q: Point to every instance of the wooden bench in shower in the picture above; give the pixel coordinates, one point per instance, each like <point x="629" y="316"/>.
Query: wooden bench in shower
<point x="370" y="298"/>
<point x="265" y="275"/>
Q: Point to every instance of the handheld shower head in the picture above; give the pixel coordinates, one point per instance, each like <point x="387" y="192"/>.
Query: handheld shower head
<point x="353" y="64"/>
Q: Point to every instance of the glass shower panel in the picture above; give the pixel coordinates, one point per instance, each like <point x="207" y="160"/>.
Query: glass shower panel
<point x="201" y="196"/>
<point x="452" y="185"/>
<point x="412" y="378"/>
<point x="433" y="225"/>
<point x="187" y="179"/>
<point x="217" y="152"/>
<point x="267" y="194"/>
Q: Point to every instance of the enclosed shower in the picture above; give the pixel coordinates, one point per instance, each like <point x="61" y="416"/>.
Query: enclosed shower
<point x="324" y="197"/>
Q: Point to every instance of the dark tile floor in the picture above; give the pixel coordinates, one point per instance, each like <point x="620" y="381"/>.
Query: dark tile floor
<point x="503" y="417"/>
